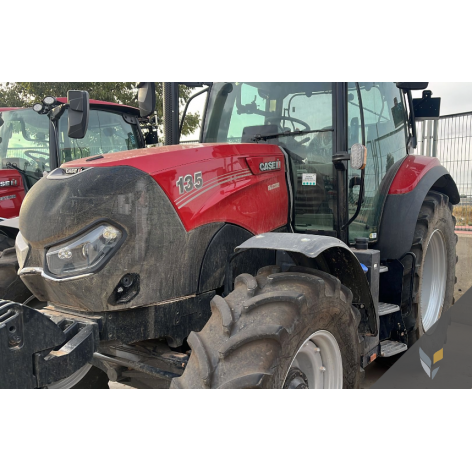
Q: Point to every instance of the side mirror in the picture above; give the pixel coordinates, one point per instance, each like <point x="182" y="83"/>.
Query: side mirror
<point x="427" y="107"/>
<point x="79" y="107"/>
<point x="358" y="156"/>
<point x="146" y="98"/>
<point x="412" y="85"/>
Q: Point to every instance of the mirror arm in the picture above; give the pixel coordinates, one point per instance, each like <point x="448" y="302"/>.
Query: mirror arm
<point x="57" y="112"/>
<point x="361" y="110"/>
<point x="413" y="139"/>
<point x="184" y="114"/>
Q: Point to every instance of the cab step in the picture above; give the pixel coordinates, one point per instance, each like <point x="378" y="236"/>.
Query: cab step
<point x="387" y="308"/>
<point x="383" y="269"/>
<point x="391" y="348"/>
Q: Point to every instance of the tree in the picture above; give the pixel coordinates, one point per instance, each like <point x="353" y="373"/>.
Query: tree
<point x="27" y="93"/>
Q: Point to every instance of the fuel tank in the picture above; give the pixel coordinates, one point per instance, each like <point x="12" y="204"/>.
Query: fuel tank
<point x="148" y="217"/>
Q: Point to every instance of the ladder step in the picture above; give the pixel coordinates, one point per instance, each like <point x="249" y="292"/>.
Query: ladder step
<point x="383" y="269"/>
<point x="391" y="348"/>
<point x="387" y="308"/>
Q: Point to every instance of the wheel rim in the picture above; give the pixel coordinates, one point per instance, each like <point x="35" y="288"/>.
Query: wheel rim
<point x="433" y="284"/>
<point x="73" y="379"/>
<point x="319" y="362"/>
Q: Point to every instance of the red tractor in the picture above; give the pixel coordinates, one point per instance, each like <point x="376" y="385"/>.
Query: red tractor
<point x="27" y="154"/>
<point x="297" y="243"/>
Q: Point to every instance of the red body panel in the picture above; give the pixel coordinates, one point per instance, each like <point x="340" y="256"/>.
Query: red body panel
<point x="411" y="172"/>
<point x="122" y="108"/>
<point x="11" y="196"/>
<point x="230" y="191"/>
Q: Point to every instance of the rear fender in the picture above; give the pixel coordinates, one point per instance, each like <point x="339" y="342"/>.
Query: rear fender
<point x="402" y="207"/>
<point x="330" y="255"/>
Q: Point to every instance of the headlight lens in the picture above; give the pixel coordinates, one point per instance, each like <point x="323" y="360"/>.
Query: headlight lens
<point x="22" y="250"/>
<point x="84" y="253"/>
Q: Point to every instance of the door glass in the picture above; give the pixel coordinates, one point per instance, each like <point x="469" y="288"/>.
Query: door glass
<point x="385" y="130"/>
<point x="107" y="132"/>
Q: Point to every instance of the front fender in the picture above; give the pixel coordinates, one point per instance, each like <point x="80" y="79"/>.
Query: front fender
<point x="334" y="256"/>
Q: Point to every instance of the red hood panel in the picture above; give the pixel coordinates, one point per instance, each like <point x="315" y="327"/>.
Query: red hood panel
<point x="156" y="159"/>
<point x="209" y="183"/>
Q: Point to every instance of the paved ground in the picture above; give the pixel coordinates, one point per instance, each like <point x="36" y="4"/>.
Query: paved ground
<point x="116" y="385"/>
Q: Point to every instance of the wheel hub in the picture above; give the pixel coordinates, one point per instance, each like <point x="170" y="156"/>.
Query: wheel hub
<point x="317" y="364"/>
<point x="296" y="379"/>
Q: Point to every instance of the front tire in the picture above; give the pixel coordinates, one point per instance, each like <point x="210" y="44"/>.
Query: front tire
<point x="293" y="329"/>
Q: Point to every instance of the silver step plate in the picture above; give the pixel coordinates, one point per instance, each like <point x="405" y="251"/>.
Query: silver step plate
<point x="387" y="308"/>
<point x="383" y="269"/>
<point x="391" y="348"/>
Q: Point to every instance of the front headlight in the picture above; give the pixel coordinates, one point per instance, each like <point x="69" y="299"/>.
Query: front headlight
<point x="22" y="250"/>
<point x="85" y="253"/>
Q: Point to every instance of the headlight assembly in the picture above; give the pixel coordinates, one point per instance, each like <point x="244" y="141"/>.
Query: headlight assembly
<point x="84" y="253"/>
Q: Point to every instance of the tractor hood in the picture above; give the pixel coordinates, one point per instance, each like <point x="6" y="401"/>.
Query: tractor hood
<point x="122" y="231"/>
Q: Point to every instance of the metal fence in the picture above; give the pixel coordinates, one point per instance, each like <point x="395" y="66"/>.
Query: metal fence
<point x="450" y="140"/>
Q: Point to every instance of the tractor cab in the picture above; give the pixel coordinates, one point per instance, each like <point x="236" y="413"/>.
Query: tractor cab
<point x="313" y="122"/>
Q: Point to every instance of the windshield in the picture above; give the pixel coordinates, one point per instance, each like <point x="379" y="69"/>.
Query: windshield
<point x="107" y="132"/>
<point x="24" y="141"/>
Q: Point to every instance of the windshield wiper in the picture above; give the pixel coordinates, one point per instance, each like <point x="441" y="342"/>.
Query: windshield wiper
<point x="265" y="137"/>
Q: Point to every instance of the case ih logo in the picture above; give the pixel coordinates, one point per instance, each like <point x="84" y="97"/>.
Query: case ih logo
<point x="9" y="183"/>
<point x="273" y="165"/>
<point x="74" y="170"/>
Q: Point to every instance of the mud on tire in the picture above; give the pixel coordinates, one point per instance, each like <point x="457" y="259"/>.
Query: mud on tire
<point x="255" y="332"/>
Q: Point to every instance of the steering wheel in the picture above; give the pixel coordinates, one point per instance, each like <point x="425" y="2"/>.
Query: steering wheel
<point x="28" y="154"/>
<point x="293" y="120"/>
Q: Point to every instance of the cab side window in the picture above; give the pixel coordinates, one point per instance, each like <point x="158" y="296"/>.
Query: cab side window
<point x="386" y="142"/>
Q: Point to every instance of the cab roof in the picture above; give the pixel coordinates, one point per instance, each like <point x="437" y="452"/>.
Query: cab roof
<point x="94" y="104"/>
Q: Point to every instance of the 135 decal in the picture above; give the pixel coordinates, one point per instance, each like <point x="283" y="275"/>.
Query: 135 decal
<point x="189" y="182"/>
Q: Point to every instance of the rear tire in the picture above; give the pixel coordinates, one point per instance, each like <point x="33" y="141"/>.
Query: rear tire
<point x="434" y="245"/>
<point x="258" y="336"/>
